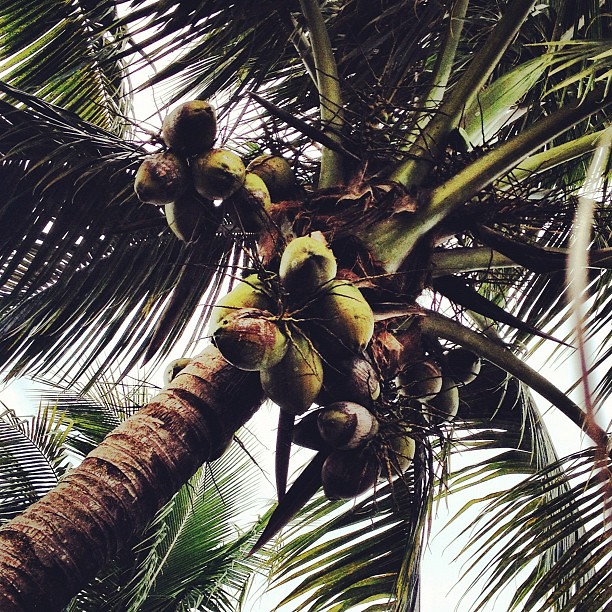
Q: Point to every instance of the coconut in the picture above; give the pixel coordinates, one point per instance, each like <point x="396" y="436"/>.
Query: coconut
<point x="345" y="316"/>
<point x="217" y="174"/>
<point x="306" y="264"/>
<point x="401" y="450"/>
<point x="462" y="364"/>
<point x="346" y="474"/>
<point x="421" y="380"/>
<point x="347" y="425"/>
<point x="189" y="215"/>
<point x="250" y="339"/>
<point x="276" y="174"/>
<point x="353" y="379"/>
<point x="190" y="128"/>
<point x="445" y="405"/>
<point x="251" y="203"/>
<point x="295" y="382"/>
<point x="251" y="292"/>
<point x="161" y="178"/>
<point x="306" y="432"/>
<point x="173" y="368"/>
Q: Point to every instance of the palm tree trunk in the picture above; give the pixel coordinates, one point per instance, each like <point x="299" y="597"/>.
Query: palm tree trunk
<point x="56" y="546"/>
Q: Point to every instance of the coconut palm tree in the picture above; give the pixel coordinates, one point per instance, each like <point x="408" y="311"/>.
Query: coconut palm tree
<point x="450" y="153"/>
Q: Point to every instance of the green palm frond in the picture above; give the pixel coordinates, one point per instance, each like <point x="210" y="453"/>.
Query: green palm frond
<point x="343" y="554"/>
<point x="547" y="538"/>
<point x="89" y="255"/>
<point x="67" y="53"/>
<point x="192" y="555"/>
<point x="32" y="456"/>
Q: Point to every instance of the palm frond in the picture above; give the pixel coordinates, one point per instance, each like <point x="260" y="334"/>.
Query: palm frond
<point x="192" y="554"/>
<point x="67" y="53"/>
<point x="343" y="554"/>
<point x="88" y="254"/>
<point x="33" y="458"/>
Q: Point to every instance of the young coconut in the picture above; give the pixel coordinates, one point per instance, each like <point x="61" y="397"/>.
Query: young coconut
<point x="353" y="379"/>
<point x="306" y="264"/>
<point x="295" y="382"/>
<point x="250" y="339"/>
<point x="463" y="365"/>
<point x="276" y="174"/>
<point x="401" y="450"/>
<point x="346" y="317"/>
<point x="421" y="380"/>
<point x="173" y="368"/>
<point x="189" y="215"/>
<point x="306" y="432"/>
<point x="250" y="292"/>
<point x="347" y="425"/>
<point x="251" y="203"/>
<point x="445" y="405"/>
<point x="346" y="474"/>
<point x="217" y="174"/>
<point x="161" y="178"/>
<point x="190" y="128"/>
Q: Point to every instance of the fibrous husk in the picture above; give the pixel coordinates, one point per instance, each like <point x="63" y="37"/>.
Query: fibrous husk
<point x="295" y="382"/>
<point x="161" y="178"/>
<point x="217" y="174"/>
<point x="346" y="474"/>
<point x="250" y="339"/>
<point x="173" y="368"/>
<point x="276" y="174"/>
<point x="307" y="263"/>
<point x="463" y="365"/>
<point x="352" y="379"/>
<point x="343" y="318"/>
<point x="251" y="292"/>
<point x="190" y="128"/>
<point x="347" y="425"/>
<point x="189" y="215"/>
<point x="421" y="380"/>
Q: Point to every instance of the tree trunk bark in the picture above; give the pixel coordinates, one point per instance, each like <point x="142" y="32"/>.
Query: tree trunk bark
<point x="48" y="553"/>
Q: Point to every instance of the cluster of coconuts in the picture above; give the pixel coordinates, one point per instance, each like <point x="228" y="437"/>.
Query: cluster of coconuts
<point x="190" y="175"/>
<point x="307" y="338"/>
<point x="435" y="385"/>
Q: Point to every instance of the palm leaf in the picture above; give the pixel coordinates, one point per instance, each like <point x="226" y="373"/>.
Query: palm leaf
<point x="33" y="458"/>
<point x="70" y="58"/>
<point x="192" y="554"/>
<point x="78" y="265"/>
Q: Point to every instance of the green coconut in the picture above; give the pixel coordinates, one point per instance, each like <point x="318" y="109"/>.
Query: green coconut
<point x="402" y="447"/>
<point x="306" y="432"/>
<point x="294" y="383"/>
<point x="217" y="174"/>
<point x="161" y="178"/>
<point x="189" y="215"/>
<point x="421" y="380"/>
<point x="463" y="365"/>
<point x="445" y="405"/>
<point x="276" y="174"/>
<point x="307" y="264"/>
<point x="347" y="425"/>
<point x="250" y="339"/>
<point x="190" y="128"/>
<point x="352" y="379"/>
<point x="346" y="474"/>
<point x="251" y="292"/>
<point x="343" y="318"/>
